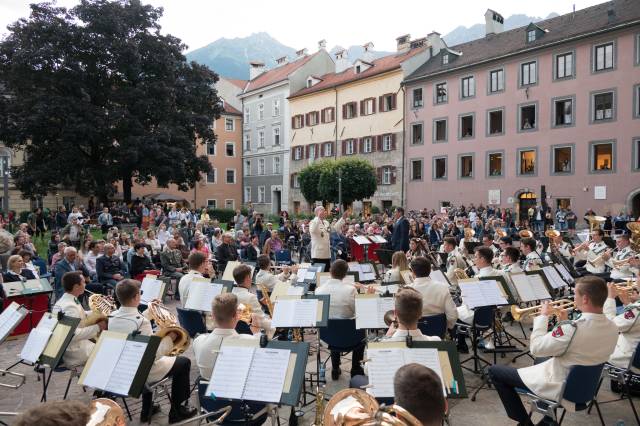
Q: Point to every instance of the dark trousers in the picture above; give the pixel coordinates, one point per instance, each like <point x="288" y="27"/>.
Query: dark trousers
<point x="179" y="385"/>
<point x="356" y="358"/>
<point x="506" y="380"/>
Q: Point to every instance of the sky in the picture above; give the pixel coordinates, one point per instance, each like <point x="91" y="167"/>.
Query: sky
<point x="302" y="23"/>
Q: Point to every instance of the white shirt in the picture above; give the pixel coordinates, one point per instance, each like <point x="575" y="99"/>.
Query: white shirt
<point x="163" y="236"/>
<point x="80" y="347"/>
<point x="436" y="299"/>
<point x="595" y="250"/>
<point x="185" y="284"/>
<point x="342" y="301"/>
<point x="90" y="261"/>
<point x="401" y="335"/>
<point x="629" y="329"/>
<point x="532" y="262"/>
<point x="624" y="271"/>
<point x="267" y="279"/>
<point x="206" y="347"/>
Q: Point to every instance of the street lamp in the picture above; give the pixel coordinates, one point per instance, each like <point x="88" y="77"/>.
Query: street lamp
<point x="4" y="169"/>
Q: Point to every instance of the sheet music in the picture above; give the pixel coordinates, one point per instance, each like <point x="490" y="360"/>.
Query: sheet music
<point x="35" y="344"/>
<point x="382" y="367"/>
<point x="367" y="273"/>
<point x="521" y="283"/>
<point x="370" y="311"/>
<point x="438" y="276"/>
<point x="481" y="293"/>
<point x="48" y="322"/>
<point x="295" y="291"/>
<point x="151" y="289"/>
<point x="33" y="285"/>
<point x="378" y="239"/>
<point x="310" y="275"/>
<point x="538" y="286"/>
<point x="295" y="313"/>
<point x="361" y="240"/>
<point x="301" y="274"/>
<point x="9" y="319"/>
<point x="429" y="358"/>
<point x="106" y="358"/>
<point x="266" y="375"/>
<point x="492" y="292"/>
<point x="564" y="272"/>
<point x="126" y="367"/>
<point x="13" y="288"/>
<point x="230" y="372"/>
<point x="60" y="333"/>
<point x="201" y="296"/>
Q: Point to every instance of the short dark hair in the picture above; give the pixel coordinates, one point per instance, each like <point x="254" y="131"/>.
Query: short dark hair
<point x="421" y="267"/>
<point x="486" y="253"/>
<point x="196" y="259"/>
<point x="507" y="240"/>
<point x="451" y="241"/>
<point x="512" y="253"/>
<point x="599" y="232"/>
<point x="127" y="289"/>
<point x="264" y="262"/>
<point x="92" y="245"/>
<point x="595" y="288"/>
<point x="339" y="269"/>
<point x="70" y="280"/>
<point x="240" y="273"/>
<point x="69" y="413"/>
<point x="138" y="246"/>
<point x="529" y="242"/>
<point x="408" y="305"/>
<point x="400" y="210"/>
<point x="418" y="390"/>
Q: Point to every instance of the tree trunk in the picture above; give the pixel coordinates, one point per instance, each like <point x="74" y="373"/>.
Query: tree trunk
<point x="126" y="187"/>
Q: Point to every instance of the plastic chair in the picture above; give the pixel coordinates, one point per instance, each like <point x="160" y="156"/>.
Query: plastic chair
<point x="283" y="257"/>
<point x="191" y="321"/>
<point x="482" y="321"/>
<point x="579" y="388"/>
<point x="341" y="335"/>
<point x="433" y="325"/>
<point x="240" y="411"/>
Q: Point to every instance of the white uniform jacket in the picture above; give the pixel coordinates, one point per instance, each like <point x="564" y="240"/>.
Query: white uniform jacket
<point x="629" y="329"/>
<point x="206" y="347"/>
<point x="595" y="250"/>
<point x="589" y="340"/>
<point x="269" y="280"/>
<point x="436" y="299"/>
<point x="80" y="347"/>
<point x="342" y="300"/>
<point x="454" y="261"/>
<point x="532" y="262"/>
<point x="623" y="272"/>
<point x="320" y="230"/>
<point x="185" y="284"/>
<point x="127" y="320"/>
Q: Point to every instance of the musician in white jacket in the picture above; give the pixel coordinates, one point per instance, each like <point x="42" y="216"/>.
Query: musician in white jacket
<point x="80" y="347"/>
<point x="242" y="277"/>
<point x="127" y="319"/>
<point x="589" y="340"/>
<point x="628" y="326"/>
<point x="264" y="277"/>
<point x="320" y="231"/>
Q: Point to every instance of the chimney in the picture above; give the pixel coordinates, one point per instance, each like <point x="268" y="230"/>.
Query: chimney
<point x="611" y="14"/>
<point x="255" y="69"/>
<point x="494" y="22"/>
<point x="435" y="42"/>
<point x="322" y="44"/>
<point x="282" y="60"/>
<point x="404" y="42"/>
<point x="301" y="53"/>
<point x="342" y="63"/>
<point x="367" y="55"/>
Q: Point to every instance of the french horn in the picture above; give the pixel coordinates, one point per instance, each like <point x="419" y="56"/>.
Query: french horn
<point x="167" y="322"/>
<point x="355" y="407"/>
<point x="101" y="307"/>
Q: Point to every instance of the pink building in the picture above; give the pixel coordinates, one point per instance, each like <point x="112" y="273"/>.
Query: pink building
<point x="550" y="110"/>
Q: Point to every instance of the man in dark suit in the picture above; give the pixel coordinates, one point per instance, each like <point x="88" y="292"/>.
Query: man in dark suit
<point x="253" y="250"/>
<point x="69" y="264"/>
<point x="109" y="268"/>
<point x="400" y="236"/>
<point x="226" y="252"/>
<point x="435" y="234"/>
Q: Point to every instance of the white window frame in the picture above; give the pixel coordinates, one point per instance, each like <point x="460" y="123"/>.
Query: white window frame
<point x="386" y="175"/>
<point x="328" y="115"/>
<point x="247" y="115"/>
<point x="227" y="145"/>
<point x="313" y="118"/>
<point x="276" y="165"/>
<point x="262" y="194"/>
<point x="247" y="167"/>
<point x="228" y="128"/>
<point x="233" y="203"/>
<point x="261" y="139"/>
<point x="260" y="112"/>
<point x="531" y="36"/>
<point x="367" y="145"/>
<point x="349" y="147"/>
<point x="262" y="167"/>
<point x="247" y="194"/>
<point x="276" y="136"/>
<point x="247" y="142"/>
<point x="312" y="152"/>
<point x="214" y="171"/>
<point x="499" y="73"/>
<point x="276" y="108"/>
<point x="296" y="180"/>
<point x="214" y="146"/>
<point x="226" y="176"/>
<point x="352" y="107"/>
<point x="445" y="59"/>
<point x="328" y="149"/>
<point x="387" y="142"/>
<point x="297" y="153"/>
<point x="568" y="70"/>
<point x="298" y="121"/>
<point x="369" y="105"/>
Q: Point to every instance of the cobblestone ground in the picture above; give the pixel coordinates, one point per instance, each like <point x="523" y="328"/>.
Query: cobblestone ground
<point x="487" y="409"/>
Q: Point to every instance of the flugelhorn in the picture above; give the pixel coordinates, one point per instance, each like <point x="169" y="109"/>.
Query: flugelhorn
<point x="557" y="306"/>
<point x="167" y="322"/>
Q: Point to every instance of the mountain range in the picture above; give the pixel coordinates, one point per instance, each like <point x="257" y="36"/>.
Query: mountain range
<point x="230" y="57"/>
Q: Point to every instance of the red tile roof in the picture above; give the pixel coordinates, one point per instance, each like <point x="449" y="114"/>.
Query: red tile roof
<point x="236" y="82"/>
<point x="228" y="109"/>
<point x="379" y="66"/>
<point x="276" y="75"/>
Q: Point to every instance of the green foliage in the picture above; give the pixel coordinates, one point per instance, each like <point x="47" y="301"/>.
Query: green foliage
<point x="375" y="210"/>
<point x="95" y="95"/>
<point x="320" y="180"/>
<point x="23" y="216"/>
<point x="224" y="215"/>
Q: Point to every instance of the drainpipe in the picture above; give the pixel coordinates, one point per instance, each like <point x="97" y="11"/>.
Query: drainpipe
<point x="404" y="103"/>
<point x="335" y="114"/>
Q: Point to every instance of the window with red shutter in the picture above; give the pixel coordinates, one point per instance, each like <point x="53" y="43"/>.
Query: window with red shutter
<point x="393" y="101"/>
<point x="381" y="103"/>
<point x="393" y="175"/>
<point x="344" y="111"/>
<point x="379" y="175"/>
<point x="378" y="143"/>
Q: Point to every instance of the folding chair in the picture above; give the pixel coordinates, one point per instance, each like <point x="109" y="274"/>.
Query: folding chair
<point x="433" y="325"/>
<point x="341" y="335"/>
<point x="191" y="321"/>
<point x="579" y="388"/>
<point x="283" y="257"/>
<point x="241" y="413"/>
<point x="482" y="321"/>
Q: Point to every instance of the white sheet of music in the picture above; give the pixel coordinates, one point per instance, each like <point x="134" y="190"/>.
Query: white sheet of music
<point x="564" y="272"/>
<point x="482" y="293"/>
<point x="301" y="274"/>
<point x="382" y="367"/>
<point x="378" y="239"/>
<point x="310" y="275"/>
<point x="367" y="273"/>
<point x="538" y="286"/>
<point x="151" y="289"/>
<point x="201" y="296"/>
<point x="126" y="368"/>
<point x="521" y="283"/>
<point x="9" y="319"/>
<point x="104" y="362"/>
<point x="438" y="276"/>
<point x="266" y="375"/>
<point x="370" y="311"/>
<point x="553" y="276"/>
<point x="429" y="358"/>
<point x="361" y="240"/>
<point x="35" y="344"/>
<point x="295" y="291"/>
<point x="230" y="372"/>
<point x="295" y="313"/>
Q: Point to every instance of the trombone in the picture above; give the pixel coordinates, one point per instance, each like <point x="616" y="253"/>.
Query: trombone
<point x="557" y="307"/>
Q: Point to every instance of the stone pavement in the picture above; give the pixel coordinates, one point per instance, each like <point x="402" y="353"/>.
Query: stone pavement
<point x="487" y="409"/>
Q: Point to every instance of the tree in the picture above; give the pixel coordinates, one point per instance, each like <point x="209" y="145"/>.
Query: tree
<point x="95" y="95"/>
<point x="319" y="181"/>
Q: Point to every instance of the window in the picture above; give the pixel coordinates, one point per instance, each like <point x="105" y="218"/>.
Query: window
<point x="212" y="203"/>
<point x="387" y="142"/>
<point x="275" y="112"/>
<point x="441" y="93"/>
<point x="261" y="167"/>
<point x="247" y="167"/>
<point x="563" y="112"/>
<point x="276" y="165"/>
<point x="526" y="162"/>
<point x="247" y="141"/>
<point x="231" y="175"/>
<point x="603" y="107"/>
<point x="445" y="59"/>
<point x="261" y="194"/>
<point x="368" y="106"/>
<point x="312" y="118"/>
<point x="495" y="164"/>
<point x="230" y="149"/>
<point x="247" y="115"/>
<point x="312" y="151"/>
<point x="229" y="204"/>
<point x="468" y="89"/>
<point x="260" y="112"/>
<point x="602" y="157"/>
<point x="297" y="153"/>
<point x="417" y="98"/>
<point x="527" y="119"/>
<point x="440" y="130"/>
<point x="328" y="149"/>
<point x="465" y="166"/>
<point x="261" y="139"/>
<point x="635" y="162"/>
<point x="564" y="65"/>
<point x="416" y="134"/>
<point x="211" y="176"/>
<point x="636" y="101"/>
<point x="531" y="36"/>
<point x="296" y="180"/>
<point x="466" y="126"/>
<point x="276" y="136"/>
<point x="297" y="121"/>
<point x="562" y="159"/>
<point x="440" y="168"/>
<point x="367" y="145"/>
<point x="386" y="175"/>
<point x="349" y="147"/>
<point x="229" y="124"/>
<point x="247" y="194"/>
<point x="416" y="169"/>
<point x="387" y="102"/>
<point x="496" y="122"/>
<point x="350" y="110"/>
<point x="603" y="57"/>
<point x="528" y="74"/>
<point x="211" y="148"/>
<point x="496" y="81"/>
<point x="358" y="69"/>
<point x="328" y="115"/>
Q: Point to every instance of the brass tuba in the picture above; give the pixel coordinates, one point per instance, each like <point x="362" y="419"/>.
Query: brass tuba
<point x="595" y="221"/>
<point x="101" y="307"/>
<point x="167" y="322"/>
<point x="525" y="233"/>
<point x="364" y="410"/>
<point x="552" y="233"/>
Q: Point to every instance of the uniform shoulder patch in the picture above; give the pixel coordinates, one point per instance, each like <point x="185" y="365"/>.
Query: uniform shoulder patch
<point x="629" y="314"/>
<point x="557" y="332"/>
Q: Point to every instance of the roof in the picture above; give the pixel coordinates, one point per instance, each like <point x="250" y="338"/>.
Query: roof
<point x="378" y="66"/>
<point x="228" y="109"/>
<point x="277" y="74"/>
<point x="236" y="82"/>
<point x="559" y="29"/>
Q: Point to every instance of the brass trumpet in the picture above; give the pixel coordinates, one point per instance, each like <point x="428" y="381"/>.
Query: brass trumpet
<point x="557" y="305"/>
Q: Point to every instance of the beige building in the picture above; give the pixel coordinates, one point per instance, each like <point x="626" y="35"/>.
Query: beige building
<point x="355" y="111"/>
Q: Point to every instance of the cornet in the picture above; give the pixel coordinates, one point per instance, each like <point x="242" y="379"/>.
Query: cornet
<point x="557" y="307"/>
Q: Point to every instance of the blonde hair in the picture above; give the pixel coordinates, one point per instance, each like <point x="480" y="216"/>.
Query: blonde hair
<point x="399" y="260"/>
<point x="12" y="260"/>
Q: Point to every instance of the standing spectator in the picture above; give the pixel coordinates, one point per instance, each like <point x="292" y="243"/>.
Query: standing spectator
<point x="561" y="219"/>
<point x="61" y="218"/>
<point x="105" y="220"/>
<point x="74" y="233"/>
<point x="238" y="220"/>
<point x="163" y="235"/>
<point x="571" y="221"/>
<point x="400" y="236"/>
<point x="226" y="251"/>
<point x="272" y="245"/>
